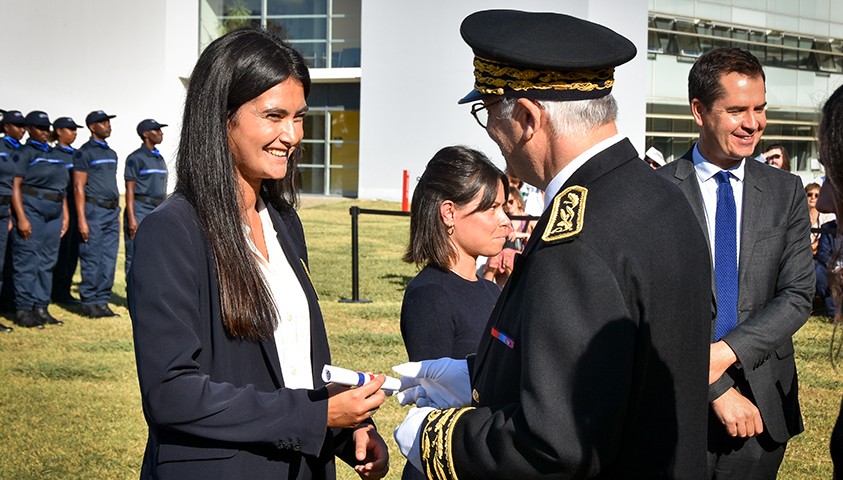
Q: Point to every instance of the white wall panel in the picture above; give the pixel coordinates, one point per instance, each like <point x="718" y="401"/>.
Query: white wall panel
<point x="413" y="73"/>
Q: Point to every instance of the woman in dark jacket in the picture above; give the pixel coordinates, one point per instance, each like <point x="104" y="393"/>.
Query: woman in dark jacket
<point x="229" y="337"/>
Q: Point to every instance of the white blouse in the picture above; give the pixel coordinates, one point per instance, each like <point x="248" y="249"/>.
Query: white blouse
<point x="292" y="335"/>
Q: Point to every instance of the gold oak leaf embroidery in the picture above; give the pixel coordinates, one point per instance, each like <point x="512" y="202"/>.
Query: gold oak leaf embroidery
<point x="567" y="214"/>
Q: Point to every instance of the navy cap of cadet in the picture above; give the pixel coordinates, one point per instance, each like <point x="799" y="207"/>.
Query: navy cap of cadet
<point x="149" y="124"/>
<point x="37" y="118"/>
<point x="14" y="117"/>
<point x="97" y="116"/>
<point x="66" y="122"/>
<point x="543" y="56"/>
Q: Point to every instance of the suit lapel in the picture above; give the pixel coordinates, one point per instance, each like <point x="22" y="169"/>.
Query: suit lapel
<point x="293" y="253"/>
<point x="296" y="259"/>
<point x="753" y="201"/>
<point x="687" y="182"/>
<point x="686" y="177"/>
<point x="296" y="253"/>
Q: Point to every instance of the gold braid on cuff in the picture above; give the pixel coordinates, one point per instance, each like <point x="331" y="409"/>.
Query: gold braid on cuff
<point x="436" y="443"/>
<point x="493" y="78"/>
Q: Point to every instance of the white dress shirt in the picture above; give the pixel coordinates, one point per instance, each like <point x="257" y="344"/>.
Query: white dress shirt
<point x="708" y="187"/>
<point x="292" y="334"/>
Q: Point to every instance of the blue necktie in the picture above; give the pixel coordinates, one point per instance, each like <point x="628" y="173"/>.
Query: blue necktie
<point x="725" y="257"/>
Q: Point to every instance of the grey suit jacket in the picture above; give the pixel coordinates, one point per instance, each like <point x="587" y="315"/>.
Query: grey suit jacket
<point x="777" y="285"/>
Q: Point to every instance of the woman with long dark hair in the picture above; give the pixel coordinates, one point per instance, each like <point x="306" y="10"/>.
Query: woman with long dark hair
<point x="831" y="156"/>
<point x="457" y="215"/>
<point x="229" y="337"/>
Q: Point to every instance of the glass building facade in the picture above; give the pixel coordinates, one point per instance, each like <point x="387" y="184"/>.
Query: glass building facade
<point x="327" y="33"/>
<point x="798" y="42"/>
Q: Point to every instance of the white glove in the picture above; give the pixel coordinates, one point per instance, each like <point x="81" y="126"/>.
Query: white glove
<point x="408" y="435"/>
<point x="440" y="383"/>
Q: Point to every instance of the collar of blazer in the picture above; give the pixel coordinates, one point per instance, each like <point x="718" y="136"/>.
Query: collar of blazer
<point x="756" y="174"/>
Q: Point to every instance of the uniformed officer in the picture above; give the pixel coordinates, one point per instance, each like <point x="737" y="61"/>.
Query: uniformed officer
<point x="97" y="211"/>
<point x="594" y="361"/>
<point x="68" y="255"/>
<point x="14" y="127"/>
<point x="146" y="182"/>
<point x="38" y="205"/>
<point x="65" y="129"/>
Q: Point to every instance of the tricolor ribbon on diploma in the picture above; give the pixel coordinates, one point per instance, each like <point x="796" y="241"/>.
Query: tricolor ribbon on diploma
<point x="352" y="378"/>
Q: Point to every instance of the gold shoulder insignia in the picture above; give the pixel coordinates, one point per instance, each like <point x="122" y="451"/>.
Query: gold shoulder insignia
<point x="437" y="442"/>
<point x="566" y="214"/>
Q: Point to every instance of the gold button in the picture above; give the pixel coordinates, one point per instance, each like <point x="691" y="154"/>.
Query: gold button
<point x="475" y="395"/>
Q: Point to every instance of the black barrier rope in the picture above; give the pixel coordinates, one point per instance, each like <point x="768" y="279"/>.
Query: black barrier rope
<point x="355" y="213"/>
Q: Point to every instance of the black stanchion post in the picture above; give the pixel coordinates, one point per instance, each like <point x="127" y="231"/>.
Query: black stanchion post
<point x="354" y="211"/>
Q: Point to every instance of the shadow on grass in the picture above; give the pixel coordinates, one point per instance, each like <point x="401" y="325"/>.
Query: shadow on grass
<point x="118" y="299"/>
<point x="398" y="280"/>
<point x="54" y="371"/>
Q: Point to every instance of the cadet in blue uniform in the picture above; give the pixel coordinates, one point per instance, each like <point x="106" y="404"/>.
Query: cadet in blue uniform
<point x="595" y="359"/>
<point x="97" y="211"/>
<point x="146" y="182"/>
<point x="69" y="246"/>
<point x="38" y="205"/>
<point x="68" y="255"/>
<point x="14" y="129"/>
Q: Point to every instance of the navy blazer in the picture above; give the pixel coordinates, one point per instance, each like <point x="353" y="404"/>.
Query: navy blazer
<point x="216" y="406"/>
<point x="777" y="282"/>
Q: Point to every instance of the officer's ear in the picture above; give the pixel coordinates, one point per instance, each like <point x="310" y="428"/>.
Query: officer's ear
<point x="528" y="113"/>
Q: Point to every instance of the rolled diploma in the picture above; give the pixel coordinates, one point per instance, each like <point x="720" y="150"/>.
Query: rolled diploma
<point x="351" y="378"/>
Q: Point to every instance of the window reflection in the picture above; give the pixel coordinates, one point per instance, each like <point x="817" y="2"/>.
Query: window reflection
<point x="692" y="38"/>
<point x="326" y="32"/>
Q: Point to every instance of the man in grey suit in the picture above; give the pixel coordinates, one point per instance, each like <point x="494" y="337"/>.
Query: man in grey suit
<point x="757" y="224"/>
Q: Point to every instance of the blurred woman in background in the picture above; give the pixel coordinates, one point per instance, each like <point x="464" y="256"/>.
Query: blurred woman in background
<point x="818" y="219"/>
<point x="776" y="156"/>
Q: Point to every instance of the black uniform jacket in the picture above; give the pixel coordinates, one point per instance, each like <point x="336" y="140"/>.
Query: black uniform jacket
<point x="776" y="287"/>
<point x="595" y="359"/>
<point x="217" y="407"/>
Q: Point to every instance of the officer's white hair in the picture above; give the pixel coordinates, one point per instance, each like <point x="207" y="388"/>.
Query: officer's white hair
<point x="572" y="118"/>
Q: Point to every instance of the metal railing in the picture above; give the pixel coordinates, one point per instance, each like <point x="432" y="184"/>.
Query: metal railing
<point x="355" y="213"/>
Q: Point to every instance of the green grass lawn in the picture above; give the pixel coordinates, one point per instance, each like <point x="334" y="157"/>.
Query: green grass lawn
<point x="69" y="401"/>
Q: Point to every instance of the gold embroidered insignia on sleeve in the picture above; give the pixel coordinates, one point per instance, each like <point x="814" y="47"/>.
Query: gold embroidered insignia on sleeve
<point x="437" y="443"/>
<point x="566" y="215"/>
<point x="307" y="272"/>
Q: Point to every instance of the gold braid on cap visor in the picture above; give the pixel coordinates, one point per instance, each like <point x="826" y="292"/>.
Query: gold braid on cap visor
<point x="493" y="78"/>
